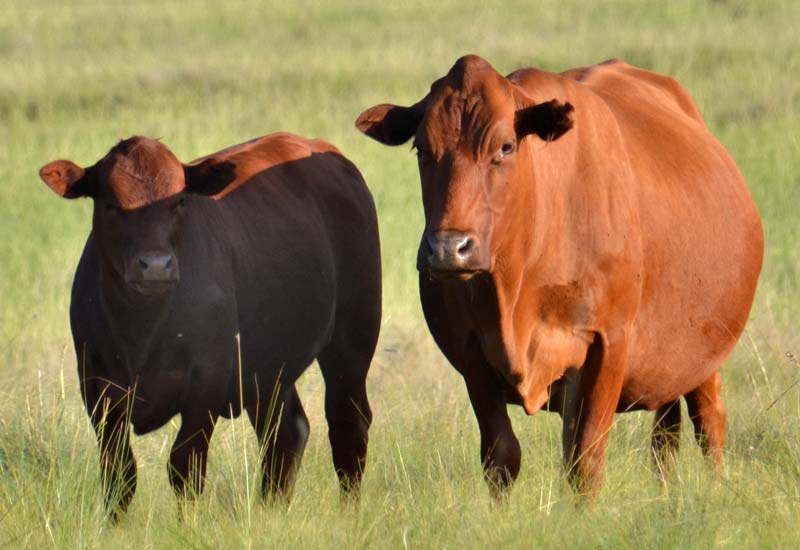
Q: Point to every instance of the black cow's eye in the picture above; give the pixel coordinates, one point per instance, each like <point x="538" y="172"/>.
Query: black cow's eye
<point x="108" y="207"/>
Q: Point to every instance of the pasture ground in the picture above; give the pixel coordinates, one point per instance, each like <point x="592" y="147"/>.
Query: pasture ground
<point x="77" y="76"/>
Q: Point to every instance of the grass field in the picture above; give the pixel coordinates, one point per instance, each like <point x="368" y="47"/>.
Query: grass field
<point x="75" y="77"/>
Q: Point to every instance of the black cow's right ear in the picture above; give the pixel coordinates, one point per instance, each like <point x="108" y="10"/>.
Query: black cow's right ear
<point x="209" y="177"/>
<point x="66" y="178"/>
<point x="390" y="124"/>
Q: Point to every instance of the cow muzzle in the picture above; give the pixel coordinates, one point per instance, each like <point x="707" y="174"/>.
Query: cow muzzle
<point x="450" y="255"/>
<point x="153" y="273"/>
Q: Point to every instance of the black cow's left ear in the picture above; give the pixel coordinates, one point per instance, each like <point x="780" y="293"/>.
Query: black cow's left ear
<point x="67" y="179"/>
<point x="549" y="120"/>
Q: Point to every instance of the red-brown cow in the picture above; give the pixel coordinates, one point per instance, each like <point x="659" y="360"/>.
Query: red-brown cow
<point x="589" y="248"/>
<point x="208" y="288"/>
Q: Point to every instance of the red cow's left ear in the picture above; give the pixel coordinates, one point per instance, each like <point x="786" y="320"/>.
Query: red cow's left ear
<point x="65" y="178"/>
<point x="549" y="120"/>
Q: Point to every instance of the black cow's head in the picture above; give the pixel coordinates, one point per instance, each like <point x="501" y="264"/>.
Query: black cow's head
<point x="468" y="132"/>
<point x="139" y="191"/>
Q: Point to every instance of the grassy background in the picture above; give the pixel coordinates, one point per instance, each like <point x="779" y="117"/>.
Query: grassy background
<point x="75" y="77"/>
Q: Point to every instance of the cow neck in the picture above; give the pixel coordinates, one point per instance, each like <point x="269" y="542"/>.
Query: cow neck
<point x="135" y="319"/>
<point x="528" y="229"/>
<point x="525" y="228"/>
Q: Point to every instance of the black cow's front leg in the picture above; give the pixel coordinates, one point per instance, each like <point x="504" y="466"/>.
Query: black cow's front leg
<point x="282" y="428"/>
<point x="109" y="418"/>
<point x="108" y="408"/>
<point x="500" y="450"/>
<point x="187" y="461"/>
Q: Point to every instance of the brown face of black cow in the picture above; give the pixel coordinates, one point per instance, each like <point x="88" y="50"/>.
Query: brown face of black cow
<point x="468" y="133"/>
<point x="139" y="194"/>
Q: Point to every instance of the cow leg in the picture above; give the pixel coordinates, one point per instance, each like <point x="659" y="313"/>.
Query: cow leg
<point x="500" y="451"/>
<point x="344" y="367"/>
<point x="282" y="428"/>
<point x="708" y="416"/>
<point x="117" y="463"/>
<point x="568" y="410"/>
<point x="187" y="461"/>
<point x="592" y="413"/>
<point x="108" y="410"/>
<point x="666" y="436"/>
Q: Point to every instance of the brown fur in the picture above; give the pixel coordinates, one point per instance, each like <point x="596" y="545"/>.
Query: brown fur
<point x="141" y="171"/>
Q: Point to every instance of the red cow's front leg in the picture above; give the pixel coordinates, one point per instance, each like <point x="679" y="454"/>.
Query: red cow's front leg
<point x="500" y="451"/>
<point x="592" y="412"/>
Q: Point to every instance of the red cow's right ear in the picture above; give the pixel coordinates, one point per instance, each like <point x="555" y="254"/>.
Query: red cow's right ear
<point x="65" y="178"/>
<point x="549" y="120"/>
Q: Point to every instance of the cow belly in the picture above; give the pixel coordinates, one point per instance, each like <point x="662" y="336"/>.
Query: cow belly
<point x="281" y="341"/>
<point x="675" y="348"/>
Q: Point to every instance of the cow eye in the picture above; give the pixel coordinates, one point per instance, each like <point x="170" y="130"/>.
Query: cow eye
<point x="505" y="151"/>
<point x="108" y="207"/>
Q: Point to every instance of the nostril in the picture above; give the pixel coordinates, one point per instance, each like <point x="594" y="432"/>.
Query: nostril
<point x="465" y="247"/>
<point x="142" y="263"/>
<point x="168" y="263"/>
<point x="427" y="247"/>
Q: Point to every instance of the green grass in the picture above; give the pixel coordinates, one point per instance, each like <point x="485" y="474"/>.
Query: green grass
<point x="76" y="77"/>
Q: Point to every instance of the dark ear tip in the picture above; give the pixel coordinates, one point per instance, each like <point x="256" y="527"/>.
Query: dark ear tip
<point x="566" y="112"/>
<point x="562" y="118"/>
<point x="563" y="109"/>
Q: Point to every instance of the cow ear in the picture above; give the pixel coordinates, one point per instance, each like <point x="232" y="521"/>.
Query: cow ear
<point x="66" y="178"/>
<point x="549" y="120"/>
<point x="209" y="176"/>
<point x="390" y="124"/>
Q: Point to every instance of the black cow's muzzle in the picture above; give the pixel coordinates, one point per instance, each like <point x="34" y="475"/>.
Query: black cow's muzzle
<point x="153" y="273"/>
<point x="450" y="255"/>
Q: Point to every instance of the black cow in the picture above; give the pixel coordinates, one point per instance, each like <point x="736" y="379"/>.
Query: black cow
<point x="210" y="287"/>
